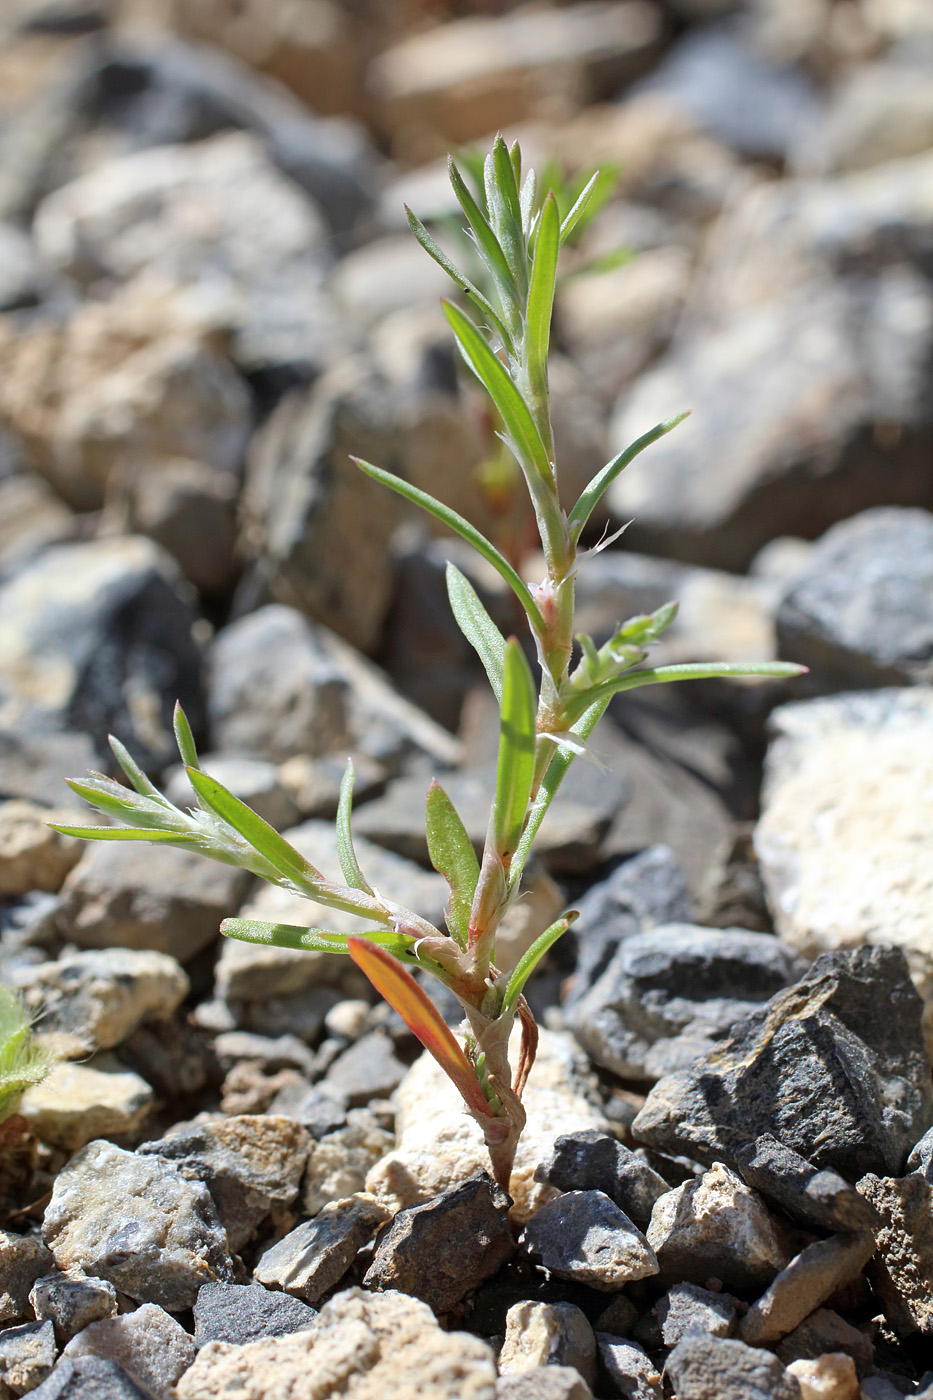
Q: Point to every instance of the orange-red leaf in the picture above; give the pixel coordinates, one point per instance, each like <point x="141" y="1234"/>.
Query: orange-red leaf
<point x="420" y="1015"/>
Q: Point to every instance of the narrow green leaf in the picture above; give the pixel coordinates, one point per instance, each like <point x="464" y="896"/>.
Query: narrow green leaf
<point x="486" y="242"/>
<point x="517" y="735"/>
<point x="185" y="739"/>
<point x="607" y="475"/>
<point x="529" y="190"/>
<point x="131" y="768"/>
<point x="547" y="791"/>
<point x="515" y="156"/>
<point x="477" y="626"/>
<point x="541" y="295"/>
<point x="258" y="833"/>
<point x="645" y="630"/>
<point x="513" y="410"/>
<point x="107" y="796"/>
<point x="422" y="1017"/>
<point x="128" y="833"/>
<point x="687" y="671"/>
<point x="452" y="855"/>
<point x="505" y="213"/>
<point x="575" y="214"/>
<point x="346" y="853"/>
<point x="315" y="940"/>
<point x="529" y="961"/>
<point x="464" y="529"/>
<point x="434" y="250"/>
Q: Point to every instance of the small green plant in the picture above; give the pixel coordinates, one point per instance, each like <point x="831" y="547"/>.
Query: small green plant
<point x="23" y="1060"/>
<point x="544" y="724"/>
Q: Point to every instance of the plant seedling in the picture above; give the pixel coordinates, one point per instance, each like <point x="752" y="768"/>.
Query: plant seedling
<point x="544" y="723"/>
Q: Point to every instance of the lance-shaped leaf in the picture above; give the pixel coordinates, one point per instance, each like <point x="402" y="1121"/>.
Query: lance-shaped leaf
<point x="477" y="626"/>
<point x="529" y="961"/>
<point x="434" y="250"/>
<point x="184" y="738"/>
<point x="137" y="777"/>
<point x="190" y="842"/>
<point x="113" y="798"/>
<point x="686" y="671"/>
<point x="492" y="374"/>
<point x="464" y="529"/>
<point x="422" y="1018"/>
<point x="604" y="478"/>
<point x="505" y="215"/>
<point x="541" y="296"/>
<point x="346" y="853"/>
<point x="576" y="212"/>
<point x="492" y="255"/>
<point x="452" y="855"/>
<point x="516" y="765"/>
<point x="316" y="940"/>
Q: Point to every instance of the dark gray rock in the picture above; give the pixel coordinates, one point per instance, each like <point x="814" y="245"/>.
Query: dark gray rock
<point x="71" y="1302"/>
<point x="687" y="1308"/>
<point x="860" y="613"/>
<point x="902" y="1271"/>
<point x="823" y="1331"/>
<point x="544" y="1383"/>
<point x="312" y="1258"/>
<point x="632" y="1373"/>
<point x="921" y="1157"/>
<point x="319" y="1108"/>
<point x="252" y="1165"/>
<point x="137" y="1222"/>
<point x="819" y="1199"/>
<point x="173" y="1056"/>
<point x="95" y="637"/>
<point x="369" y="1069"/>
<point x="810" y="1278"/>
<point x="89" y="1378"/>
<point x="23" y="1259"/>
<point x="750" y="104"/>
<point x="583" y="1236"/>
<point x="27" y="1355"/>
<point x="442" y="1249"/>
<point x="593" y="1161"/>
<point x="139" y="896"/>
<point x="668" y="995"/>
<point x="835" y="1067"/>
<point x="239" y="1313"/>
<point x="641" y="893"/>
<point x="19" y="269"/>
<point x="712" y="1368"/>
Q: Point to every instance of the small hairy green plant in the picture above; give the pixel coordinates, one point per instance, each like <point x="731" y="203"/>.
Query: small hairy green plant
<point x="545" y="721"/>
<point x="23" y="1061"/>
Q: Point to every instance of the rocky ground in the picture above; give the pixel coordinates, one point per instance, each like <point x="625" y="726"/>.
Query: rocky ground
<point x="241" y="1180"/>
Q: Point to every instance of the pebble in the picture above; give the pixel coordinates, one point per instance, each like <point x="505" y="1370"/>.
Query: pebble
<point x="582" y="1235"/>
<point x="27" y="1355"/>
<point x="715" y="1227"/>
<point x="32" y="855"/>
<point x="547" y="1334"/>
<point x="845" y="847"/>
<point x="78" y="1102"/>
<point x="444" y="1248"/>
<point x="687" y="1308"/>
<point x="629" y="1368"/>
<point x="544" y="1383"/>
<point x="775" y="1075"/>
<point x="369" y="1069"/>
<point x="251" y="1164"/>
<point x="137" y="896"/>
<point x="23" y="1260"/>
<point x="902" y="1273"/>
<point x="440" y="1146"/>
<point x="100" y="996"/>
<point x="808" y="1280"/>
<point x="369" y="1345"/>
<point x="921" y="1157"/>
<point x="89" y="1378"/>
<point x="246" y="1312"/>
<point x="817" y="1199"/>
<point x="825" y="1331"/>
<point x="312" y="1258"/>
<point x="594" y="1161"/>
<point x="137" y="1222"/>
<point x="149" y="1344"/>
<point x="859" y="614"/>
<point x="829" y="1377"/>
<point x="668" y="995"/>
<point x="713" y="1368"/>
<point x="338" y="1163"/>
<point x="72" y="1301"/>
